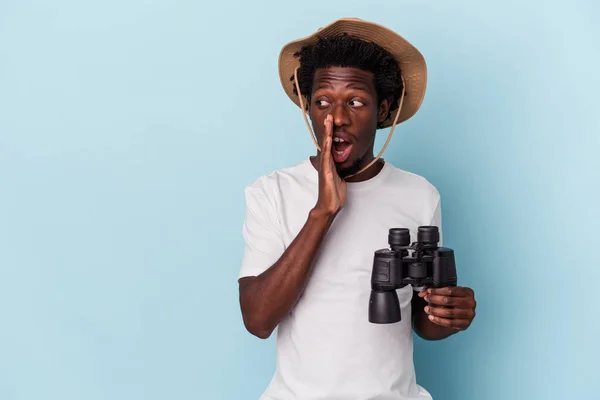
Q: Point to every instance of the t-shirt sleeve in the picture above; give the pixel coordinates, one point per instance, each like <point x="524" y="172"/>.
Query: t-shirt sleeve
<point x="262" y="236"/>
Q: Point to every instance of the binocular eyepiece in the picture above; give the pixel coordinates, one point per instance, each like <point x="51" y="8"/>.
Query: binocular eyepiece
<point x="422" y="263"/>
<point x="426" y="235"/>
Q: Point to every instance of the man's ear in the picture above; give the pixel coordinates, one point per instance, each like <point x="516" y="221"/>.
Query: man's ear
<point x="384" y="110"/>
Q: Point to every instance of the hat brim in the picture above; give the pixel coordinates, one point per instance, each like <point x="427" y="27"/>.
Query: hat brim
<point x="410" y="61"/>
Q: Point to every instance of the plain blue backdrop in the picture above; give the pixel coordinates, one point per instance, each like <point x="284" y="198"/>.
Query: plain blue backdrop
<point x="129" y="129"/>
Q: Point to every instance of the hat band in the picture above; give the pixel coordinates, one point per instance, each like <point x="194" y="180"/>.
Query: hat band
<point x="314" y="138"/>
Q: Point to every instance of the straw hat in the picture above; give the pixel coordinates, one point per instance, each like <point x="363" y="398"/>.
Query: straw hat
<point x="410" y="61"/>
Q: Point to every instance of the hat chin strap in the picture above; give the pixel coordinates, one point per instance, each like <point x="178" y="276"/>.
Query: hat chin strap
<point x="314" y="138"/>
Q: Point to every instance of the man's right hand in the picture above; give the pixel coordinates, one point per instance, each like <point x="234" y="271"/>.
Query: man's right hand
<point x="332" y="188"/>
<point x="267" y="298"/>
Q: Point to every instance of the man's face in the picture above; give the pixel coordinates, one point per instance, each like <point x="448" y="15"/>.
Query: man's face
<point x="349" y="95"/>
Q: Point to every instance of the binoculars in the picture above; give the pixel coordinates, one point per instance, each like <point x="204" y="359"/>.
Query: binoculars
<point x="419" y="264"/>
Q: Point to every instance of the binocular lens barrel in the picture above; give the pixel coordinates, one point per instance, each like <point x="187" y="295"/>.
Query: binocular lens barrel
<point x="384" y="307"/>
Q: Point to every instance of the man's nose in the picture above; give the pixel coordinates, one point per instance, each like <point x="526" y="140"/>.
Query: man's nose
<point x="340" y="115"/>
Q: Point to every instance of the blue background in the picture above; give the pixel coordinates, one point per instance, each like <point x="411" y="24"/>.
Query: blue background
<point x="128" y="130"/>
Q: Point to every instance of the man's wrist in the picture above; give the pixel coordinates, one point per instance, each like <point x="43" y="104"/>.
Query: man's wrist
<point x="321" y="215"/>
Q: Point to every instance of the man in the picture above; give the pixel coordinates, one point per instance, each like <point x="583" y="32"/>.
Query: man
<point x="311" y="229"/>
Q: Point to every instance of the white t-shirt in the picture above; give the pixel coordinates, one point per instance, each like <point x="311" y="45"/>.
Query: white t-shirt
<point x="326" y="347"/>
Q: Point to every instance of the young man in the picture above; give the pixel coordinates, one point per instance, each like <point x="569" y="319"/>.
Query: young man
<point x="311" y="229"/>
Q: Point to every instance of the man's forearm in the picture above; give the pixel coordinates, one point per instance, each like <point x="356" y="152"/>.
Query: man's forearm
<point x="267" y="298"/>
<point x="424" y="327"/>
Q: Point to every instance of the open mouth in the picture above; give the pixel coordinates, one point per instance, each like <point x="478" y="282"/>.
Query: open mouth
<point x="340" y="150"/>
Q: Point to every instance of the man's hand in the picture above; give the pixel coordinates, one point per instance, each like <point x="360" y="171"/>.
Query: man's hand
<point x="451" y="307"/>
<point x="268" y="298"/>
<point x="332" y="188"/>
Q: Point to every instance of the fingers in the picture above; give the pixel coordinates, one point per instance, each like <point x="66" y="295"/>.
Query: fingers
<point x="450" y="313"/>
<point x="451" y="301"/>
<point x="450" y="307"/>
<point x="457" y="291"/>
<point x="458" y="324"/>
<point x="327" y="140"/>
<point x="452" y="296"/>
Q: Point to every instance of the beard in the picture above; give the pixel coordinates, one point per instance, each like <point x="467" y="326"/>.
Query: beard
<point x="352" y="169"/>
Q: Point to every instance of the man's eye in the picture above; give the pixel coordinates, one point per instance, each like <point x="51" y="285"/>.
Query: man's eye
<point x="322" y="103"/>
<point x="356" y="103"/>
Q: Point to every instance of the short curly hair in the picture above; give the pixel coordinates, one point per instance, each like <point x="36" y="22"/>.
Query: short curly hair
<point x="345" y="50"/>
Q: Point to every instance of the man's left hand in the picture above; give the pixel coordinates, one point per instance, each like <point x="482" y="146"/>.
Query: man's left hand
<point x="458" y="308"/>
